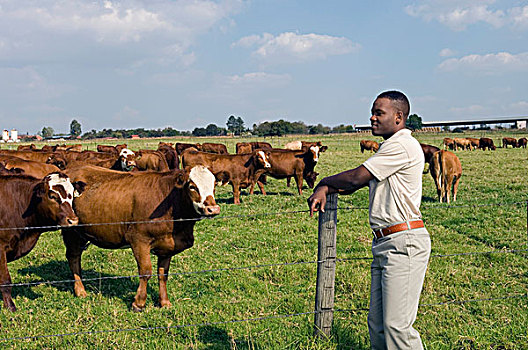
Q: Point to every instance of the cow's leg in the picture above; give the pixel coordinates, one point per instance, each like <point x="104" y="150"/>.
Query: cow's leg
<point x="141" y="252"/>
<point x="455" y="188"/>
<point x="163" y="275"/>
<point x="448" y="185"/>
<point x="5" y="279"/>
<point x="236" y="192"/>
<point x="74" y="248"/>
<point x="288" y="181"/>
<point x="299" y="181"/>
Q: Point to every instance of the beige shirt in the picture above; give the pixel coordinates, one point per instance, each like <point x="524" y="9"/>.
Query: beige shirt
<point x="395" y="193"/>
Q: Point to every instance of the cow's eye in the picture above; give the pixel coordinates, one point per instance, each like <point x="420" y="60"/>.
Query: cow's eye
<point x="54" y="196"/>
<point x="193" y="188"/>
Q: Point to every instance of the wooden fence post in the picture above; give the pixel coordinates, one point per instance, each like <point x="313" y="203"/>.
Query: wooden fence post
<point x="326" y="255"/>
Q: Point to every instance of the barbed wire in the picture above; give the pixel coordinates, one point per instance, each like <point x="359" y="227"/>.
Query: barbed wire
<point x="242" y="216"/>
<point x="238" y="268"/>
<point x="254" y="319"/>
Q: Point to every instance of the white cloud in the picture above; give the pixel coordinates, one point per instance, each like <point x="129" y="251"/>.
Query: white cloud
<point x="520" y="107"/>
<point x="489" y="63"/>
<point x="28" y="84"/>
<point x="293" y="48"/>
<point x="458" y="15"/>
<point x="129" y="115"/>
<point x="446" y="52"/>
<point x="165" y="29"/>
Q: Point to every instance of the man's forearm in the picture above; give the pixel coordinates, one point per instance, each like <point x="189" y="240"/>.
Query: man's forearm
<point x="348" y="181"/>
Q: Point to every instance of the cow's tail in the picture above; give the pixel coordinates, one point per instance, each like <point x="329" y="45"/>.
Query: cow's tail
<point x="446" y="187"/>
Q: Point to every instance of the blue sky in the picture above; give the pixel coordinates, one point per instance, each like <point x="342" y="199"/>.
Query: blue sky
<point x="158" y="63"/>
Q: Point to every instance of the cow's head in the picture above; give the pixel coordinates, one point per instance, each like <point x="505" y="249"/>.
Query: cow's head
<point x="314" y="150"/>
<point x="52" y="200"/>
<point x="57" y="160"/>
<point x="311" y="178"/>
<point x="200" y="185"/>
<point x="127" y="159"/>
<point x="261" y="158"/>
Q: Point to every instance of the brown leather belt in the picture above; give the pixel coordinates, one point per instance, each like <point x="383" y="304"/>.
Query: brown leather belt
<point x="383" y="232"/>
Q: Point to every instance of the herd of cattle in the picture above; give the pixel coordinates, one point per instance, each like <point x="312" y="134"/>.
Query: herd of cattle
<point x="115" y="198"/>
<point x="150" y="200"/>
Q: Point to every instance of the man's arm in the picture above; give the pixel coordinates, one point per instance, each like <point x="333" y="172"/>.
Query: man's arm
<point x="346" y="182"/>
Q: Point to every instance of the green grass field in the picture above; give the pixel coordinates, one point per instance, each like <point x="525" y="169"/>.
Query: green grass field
<point x="472" y="301"/>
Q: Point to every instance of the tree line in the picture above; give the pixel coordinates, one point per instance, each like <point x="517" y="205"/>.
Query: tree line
<point x="234" y="126"/>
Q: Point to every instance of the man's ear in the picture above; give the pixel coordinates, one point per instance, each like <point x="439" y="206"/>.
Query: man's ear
<point x="399" y="117"/>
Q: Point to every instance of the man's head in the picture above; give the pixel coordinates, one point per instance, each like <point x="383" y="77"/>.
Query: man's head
<point x="389" y="113"/>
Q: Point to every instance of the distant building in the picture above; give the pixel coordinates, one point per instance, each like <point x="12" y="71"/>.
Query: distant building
<point x="10" y="138"/>
<point x="135" y="136"/>
<point x="521" y="124"/>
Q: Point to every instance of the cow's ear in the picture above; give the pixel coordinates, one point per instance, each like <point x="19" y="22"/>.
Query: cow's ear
<point x="182" y="177"/>
<point x="323" y="148"/>
<point x="78" y="188"/>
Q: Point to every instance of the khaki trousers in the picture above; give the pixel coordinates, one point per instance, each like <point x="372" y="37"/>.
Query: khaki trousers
<point x="397" y="274"/>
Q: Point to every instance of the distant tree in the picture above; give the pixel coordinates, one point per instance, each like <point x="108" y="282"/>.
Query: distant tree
<point x="235" y="125"/>
<point x="318" y="129"/>
<point x="414" y="122"/>
<point x="47" y="132"/>
<point x="213" y="130"/>
<point x="75" y="128"/>
<point x="199" y="132"/>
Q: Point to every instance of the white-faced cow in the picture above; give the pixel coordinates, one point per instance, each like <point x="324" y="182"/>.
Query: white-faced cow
<point x="30" y="207"/>
<point x="148" y="208"/>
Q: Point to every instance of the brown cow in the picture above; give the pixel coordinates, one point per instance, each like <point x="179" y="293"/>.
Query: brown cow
<point x="31" y="147"/>
<point x="368" y="145"/>
<point x="304" y="146"/>
<point x="147" y="159"/>
<point x="12" y="171"/>
<point x="148" y="207"/>
<point x="171" y="156"/>
<point x="485" y="142"/>
<point x="180" y="147"/>
<point x="509" y="141"/>
<point x="462" y="143"/>
<point x="217" y="148"/>
<point x="286" y="164"/>
<point x="475" y="143"/>
<point x="237" y="169"/>
<point x="446" y="171"/>
<point x="428" y="151"/>
<point x="35" y="206"/>
<point x="448" y="143"/>
<point x="522" y="142"/>
<point x="243" y="147"/>
<point x="32" y="168"/>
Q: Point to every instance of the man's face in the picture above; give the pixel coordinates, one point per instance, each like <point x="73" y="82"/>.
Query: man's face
<point x="385" y="119"/>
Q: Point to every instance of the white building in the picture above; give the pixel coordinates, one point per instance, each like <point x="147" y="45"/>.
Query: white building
<point x="9" y="138"/>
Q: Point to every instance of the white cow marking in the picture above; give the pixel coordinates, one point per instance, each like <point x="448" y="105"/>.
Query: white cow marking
<point x="126" y="152"/>
<point x="56" y="180"/>
<point x="315" y="151"/>
<point x="264" y="159"/>
<point x="204" y="181"/>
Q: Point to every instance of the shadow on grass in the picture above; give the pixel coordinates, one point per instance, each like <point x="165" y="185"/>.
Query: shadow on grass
<point x="429" y="199"/>
<point x="60" y="271"/>
<point x="215" y="338"/>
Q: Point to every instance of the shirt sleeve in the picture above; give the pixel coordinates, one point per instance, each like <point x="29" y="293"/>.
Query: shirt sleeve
<point x="389" y="159"/>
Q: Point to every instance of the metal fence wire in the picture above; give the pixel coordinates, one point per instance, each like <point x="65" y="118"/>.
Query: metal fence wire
<point x="258" y="266"/>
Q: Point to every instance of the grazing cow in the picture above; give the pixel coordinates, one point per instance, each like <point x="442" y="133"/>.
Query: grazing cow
<point x="428" y="151"/>
<point x="368" y="145"/>
<point x="151" y="160"/>
<point x="217" y="148"/>
<point x="449" y="143"/>
<point x="462" y="143"/>
<point x="237" y="169"/>
<point x="509" y="141"/>
<point x="286" y="164"/>
<point x="171" y="156"/>
<point x="522" y="142"/>
<point x="304" y="146"/>
<point x="485" y="142"/>
<point x="180" y="147"/>
<point x="34" y="206"/>
<point x="475" y="143"/>
<point x="446" y="171"/>
<point x="148" y="207"/>
<point x="32" y="168"/>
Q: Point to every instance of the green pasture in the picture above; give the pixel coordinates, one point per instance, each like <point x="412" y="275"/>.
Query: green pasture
<point x="470" y="301"/>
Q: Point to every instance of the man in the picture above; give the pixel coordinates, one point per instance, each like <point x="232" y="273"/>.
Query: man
<point x="401" y="244"/>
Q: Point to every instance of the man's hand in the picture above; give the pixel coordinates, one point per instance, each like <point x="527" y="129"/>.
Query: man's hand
<point x="317" y="200"/>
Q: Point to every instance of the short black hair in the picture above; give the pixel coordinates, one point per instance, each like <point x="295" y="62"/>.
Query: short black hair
<point x="401" y="101"/>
